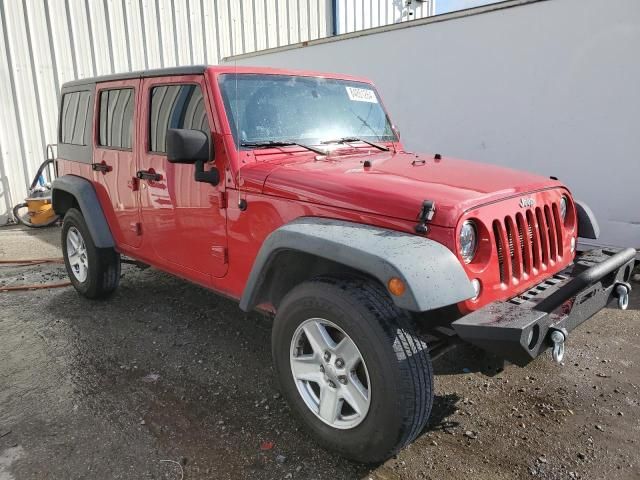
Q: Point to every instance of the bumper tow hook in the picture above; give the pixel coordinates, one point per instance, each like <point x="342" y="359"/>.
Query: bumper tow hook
<point x="622" y="292"/>
<point x="558" y="337"/>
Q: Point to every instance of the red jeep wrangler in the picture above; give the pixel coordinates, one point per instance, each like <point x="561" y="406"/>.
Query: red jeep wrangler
<point x="292" y="193"/>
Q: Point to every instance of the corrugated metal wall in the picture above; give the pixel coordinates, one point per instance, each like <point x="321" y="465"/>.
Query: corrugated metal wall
<point x="44" y="43"/>
<point x="354" y="15"/>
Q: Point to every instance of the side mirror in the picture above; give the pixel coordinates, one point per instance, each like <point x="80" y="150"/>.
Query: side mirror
<point x="187" y="146"/>
<point x="192" y="146"/>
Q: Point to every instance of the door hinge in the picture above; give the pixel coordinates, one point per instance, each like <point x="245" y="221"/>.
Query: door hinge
<point x="136" y="228"/>
<point x="134" y="184"/>
<point x="220" y="253"/>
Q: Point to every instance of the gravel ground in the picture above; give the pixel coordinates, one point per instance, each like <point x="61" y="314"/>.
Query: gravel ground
<point x="167" y="379"/>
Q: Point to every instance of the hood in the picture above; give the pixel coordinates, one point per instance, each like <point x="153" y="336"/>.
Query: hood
<point x="395" y="185"/>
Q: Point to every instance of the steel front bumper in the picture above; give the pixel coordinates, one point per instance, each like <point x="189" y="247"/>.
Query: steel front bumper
<point x="523" y="327"/>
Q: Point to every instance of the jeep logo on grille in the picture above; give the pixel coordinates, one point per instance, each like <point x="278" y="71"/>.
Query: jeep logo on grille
<point x="527" y="202"/>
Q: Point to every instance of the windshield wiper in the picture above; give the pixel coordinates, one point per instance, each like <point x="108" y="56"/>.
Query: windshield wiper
<point x="281" y="143"/>
<point x="355" y="139"/>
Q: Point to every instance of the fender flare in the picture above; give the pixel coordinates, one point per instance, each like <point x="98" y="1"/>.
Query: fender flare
<point x="85" y="195"/>
<point x="432" y="274"/>
<point x="587" y="224"/>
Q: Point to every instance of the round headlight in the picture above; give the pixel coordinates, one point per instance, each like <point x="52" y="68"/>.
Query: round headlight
<point x="468" y="241"/>
<point x="563" y="208"/>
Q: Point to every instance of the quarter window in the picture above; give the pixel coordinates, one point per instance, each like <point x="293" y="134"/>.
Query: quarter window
<point x="175" y="106"/>
<point x="116" y="118"/>
<point x="73" y="118"/>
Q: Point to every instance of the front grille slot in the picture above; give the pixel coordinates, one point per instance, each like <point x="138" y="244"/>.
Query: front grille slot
<point x="544" y="239"/>
<point x="558" y="223"/>
<point x="551" y="234"/>
<point x="525" y="236"/>
<point x="498" y="236"/>
<point x="514" y="248"/>
<point x="528" y="242"/>
<point x="535" y="239"/>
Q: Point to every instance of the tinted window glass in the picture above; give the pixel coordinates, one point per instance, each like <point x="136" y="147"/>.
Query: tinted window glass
<point x="175" y="106"/>
<point x="116" y="118"/>
<point x="73" y="118"/>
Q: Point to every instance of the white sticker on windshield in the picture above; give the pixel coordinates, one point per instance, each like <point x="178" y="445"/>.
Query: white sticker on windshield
<point x="361" y="95"/>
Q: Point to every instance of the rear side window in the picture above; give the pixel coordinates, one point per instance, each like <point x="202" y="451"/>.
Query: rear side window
<point x="175" y="106"/>
<point x="116" y="118"/>
<point x="73" y="117"/>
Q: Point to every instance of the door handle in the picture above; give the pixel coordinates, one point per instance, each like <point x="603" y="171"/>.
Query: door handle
<point x="101" y="167"/>
<point x="149" y="175"/>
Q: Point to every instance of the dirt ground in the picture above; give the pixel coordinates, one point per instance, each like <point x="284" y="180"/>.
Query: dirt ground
<point x="167" y="379"/>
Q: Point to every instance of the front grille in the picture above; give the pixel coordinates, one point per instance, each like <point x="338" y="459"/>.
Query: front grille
<point x="528" y="242"/>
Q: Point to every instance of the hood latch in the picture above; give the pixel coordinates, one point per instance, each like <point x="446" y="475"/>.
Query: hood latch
<point x="427" y="212"/>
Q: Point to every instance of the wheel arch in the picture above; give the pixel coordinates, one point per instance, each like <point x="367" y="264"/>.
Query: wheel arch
<point x="310" y="246"/>
<point x="587" y="224"/>
<point x="71" y="191"/>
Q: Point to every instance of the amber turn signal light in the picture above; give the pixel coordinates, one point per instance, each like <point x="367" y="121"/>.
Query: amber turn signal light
<point x="396" y="286"/>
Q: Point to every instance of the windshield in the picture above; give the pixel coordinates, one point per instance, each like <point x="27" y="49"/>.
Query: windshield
<point x="309" y="110"/>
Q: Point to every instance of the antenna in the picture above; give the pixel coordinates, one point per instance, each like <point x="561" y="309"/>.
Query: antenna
<point x="242" y="202"/>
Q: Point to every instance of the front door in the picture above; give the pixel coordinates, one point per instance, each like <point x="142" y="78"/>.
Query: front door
<point x="114" y="159"/>
<point x="183" y="221"/>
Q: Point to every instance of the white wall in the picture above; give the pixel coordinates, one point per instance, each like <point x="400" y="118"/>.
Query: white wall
<point x="548" y="86"/>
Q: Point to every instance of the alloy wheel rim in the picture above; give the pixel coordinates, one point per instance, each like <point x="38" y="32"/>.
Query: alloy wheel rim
<point x="330" y="373"/>
<point x="77" y="254"/>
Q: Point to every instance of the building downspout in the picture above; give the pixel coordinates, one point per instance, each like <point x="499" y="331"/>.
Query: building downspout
<point x="334" y="17"/>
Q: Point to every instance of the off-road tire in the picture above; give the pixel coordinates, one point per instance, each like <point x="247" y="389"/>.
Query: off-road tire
<point x="103" y="263"/>
<point x="401" y="376"/>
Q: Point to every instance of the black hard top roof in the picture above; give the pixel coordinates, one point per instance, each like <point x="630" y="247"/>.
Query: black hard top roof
<point x="158" y="72"/>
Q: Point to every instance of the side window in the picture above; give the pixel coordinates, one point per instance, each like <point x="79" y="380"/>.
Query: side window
<point x="116" y="118"/>
<point x="175" y="106"/>
<point x="73" y="117"/>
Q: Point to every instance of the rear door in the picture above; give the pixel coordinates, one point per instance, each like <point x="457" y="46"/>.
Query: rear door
<point x="115" y="157"/>
<point x="183" y="221"/>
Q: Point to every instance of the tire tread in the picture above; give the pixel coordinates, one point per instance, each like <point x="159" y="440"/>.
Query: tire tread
<point x="417" y="371"/>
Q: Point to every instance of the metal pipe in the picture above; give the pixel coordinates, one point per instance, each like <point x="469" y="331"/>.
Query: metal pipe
<point x="585" y="279"/>
<point x="334" y="17"/>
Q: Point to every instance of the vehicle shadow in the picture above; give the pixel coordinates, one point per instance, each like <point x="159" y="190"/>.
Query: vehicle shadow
<point x="464" y="358"/>
<point x="634" y="297"/>
<point x="444" y="407"/>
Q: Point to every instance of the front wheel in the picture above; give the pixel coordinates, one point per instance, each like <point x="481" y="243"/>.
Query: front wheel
<point x="352" y="368"/>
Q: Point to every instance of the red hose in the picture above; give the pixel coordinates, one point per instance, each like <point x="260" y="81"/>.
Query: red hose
<point x="29" y="262"/>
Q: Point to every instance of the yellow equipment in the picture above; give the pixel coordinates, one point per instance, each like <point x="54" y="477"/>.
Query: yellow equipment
<point x="40" y="211"/>
<point x="38" y="204"/>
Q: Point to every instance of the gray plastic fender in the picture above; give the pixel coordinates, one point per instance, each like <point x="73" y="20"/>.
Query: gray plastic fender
<point x="587" y="224"/>
<point x="433" y="275"/>
<point x="85" y="194"/>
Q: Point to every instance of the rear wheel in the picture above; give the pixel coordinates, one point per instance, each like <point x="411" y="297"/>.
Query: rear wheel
<point x="352" y="368"/>
<point x="94" y="272"/>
